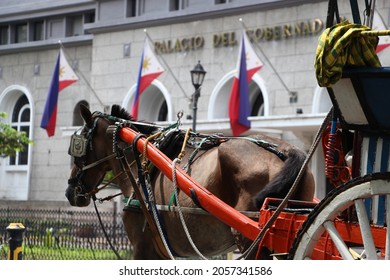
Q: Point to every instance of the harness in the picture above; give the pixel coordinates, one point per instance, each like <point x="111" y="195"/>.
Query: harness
<point x="81" y="141"/>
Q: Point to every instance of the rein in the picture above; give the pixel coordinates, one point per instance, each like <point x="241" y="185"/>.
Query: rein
<point x="105" y="232"/>
<point x="98" y="189"/>
<point x="96" y="163"/>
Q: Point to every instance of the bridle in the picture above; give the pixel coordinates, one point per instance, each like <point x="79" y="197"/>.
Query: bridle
<point x="79" y="144"/>
<point x="81" y="141"/>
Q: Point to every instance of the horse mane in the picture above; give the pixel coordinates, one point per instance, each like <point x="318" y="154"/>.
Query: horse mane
<point x="119" y="112"/>
<point x="170" y="147"/>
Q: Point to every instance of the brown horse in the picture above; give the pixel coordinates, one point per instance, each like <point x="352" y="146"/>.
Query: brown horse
<point x="241" y="172"/>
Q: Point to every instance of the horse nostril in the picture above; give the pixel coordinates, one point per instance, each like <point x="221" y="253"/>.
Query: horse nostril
<point x="77" y="190"/>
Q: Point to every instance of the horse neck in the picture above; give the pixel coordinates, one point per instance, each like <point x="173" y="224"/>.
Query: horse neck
<point x="125" y="172"/>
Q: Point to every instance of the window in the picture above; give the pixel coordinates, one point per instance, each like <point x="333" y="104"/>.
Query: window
<point x="163" y="112"/>
<point x="37" y="31"/>
<point x="131" y="9"/>
<point x="174" y="5"/>
<point x="21" y="122"/>
<point x="89" y="17"/>
<point x="154" y="105"/>
<point x="258" y="105"/>
<point x="4" y="30"/>
<point x="74" y="26"/>
<point x="20" y="33"/>
<point x="220" y="2"/>
<point x="55" y="28"/>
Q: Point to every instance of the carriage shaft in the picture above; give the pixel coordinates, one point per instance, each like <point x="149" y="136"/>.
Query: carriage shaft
<point x="207" y="200"/>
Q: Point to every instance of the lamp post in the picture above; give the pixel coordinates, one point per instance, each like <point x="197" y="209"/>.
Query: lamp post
<point x="197" y="77"/>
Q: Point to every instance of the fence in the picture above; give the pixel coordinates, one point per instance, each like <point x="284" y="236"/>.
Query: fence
<point x="65" y="234"/>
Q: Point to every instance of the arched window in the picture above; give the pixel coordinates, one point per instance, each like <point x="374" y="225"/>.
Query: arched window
<point x="20" y="121"/>
<point x="258" y="106"/>
<point x="321" y="101"/>
<point x="163" y="112"/>
<point x="219" y="100"/>
<point x="256" y="101"/>
<point x="17" y="102"/>
<point x="155" y="103"/>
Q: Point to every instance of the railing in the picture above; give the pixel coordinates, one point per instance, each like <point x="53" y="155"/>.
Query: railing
<point x="65" y="235"/>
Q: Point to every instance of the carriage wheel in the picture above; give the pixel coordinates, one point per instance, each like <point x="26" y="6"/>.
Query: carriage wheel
<point x="341" y="227"/>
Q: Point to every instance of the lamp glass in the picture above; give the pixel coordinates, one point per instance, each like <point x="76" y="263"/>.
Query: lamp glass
<point x="197" y="75"/>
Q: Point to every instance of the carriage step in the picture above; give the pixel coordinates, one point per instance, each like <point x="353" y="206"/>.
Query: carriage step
<point x="292" y="206"/>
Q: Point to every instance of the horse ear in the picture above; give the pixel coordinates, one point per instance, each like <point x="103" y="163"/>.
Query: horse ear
<point x="86" y="115"/>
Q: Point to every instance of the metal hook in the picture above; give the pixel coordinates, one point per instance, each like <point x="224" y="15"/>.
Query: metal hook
<point x="179" y="116"/>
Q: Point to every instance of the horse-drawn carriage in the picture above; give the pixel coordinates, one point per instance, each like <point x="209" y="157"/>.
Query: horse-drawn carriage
<point x="188" y="194"/>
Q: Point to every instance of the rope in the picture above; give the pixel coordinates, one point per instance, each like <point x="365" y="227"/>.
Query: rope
<point x="183" y="147"/>
<point x="180" y="157"/>
<point x="105" y="233"/>
<point x="180" y="210"/>
<point x="278" y="210"/>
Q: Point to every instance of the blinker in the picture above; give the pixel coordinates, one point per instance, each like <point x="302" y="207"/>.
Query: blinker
<point x="78" y="146"/>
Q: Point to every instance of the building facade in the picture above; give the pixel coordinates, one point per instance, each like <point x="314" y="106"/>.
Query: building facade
<point x="103" y="41"/>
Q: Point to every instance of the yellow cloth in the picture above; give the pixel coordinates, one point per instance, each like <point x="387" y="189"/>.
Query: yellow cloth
<point x="343" y="45"/>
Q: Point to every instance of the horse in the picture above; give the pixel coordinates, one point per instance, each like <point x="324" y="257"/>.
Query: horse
<point x="240" y="171"/>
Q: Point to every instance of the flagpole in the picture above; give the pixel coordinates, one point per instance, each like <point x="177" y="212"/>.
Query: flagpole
<point x="167" y="66"/>
<point x="82" y="76"/>
<point x="266" y="58"/>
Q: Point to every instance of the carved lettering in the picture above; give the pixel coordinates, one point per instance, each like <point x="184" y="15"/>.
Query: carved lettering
<point x="199" y="42"/>
<point x="224" y="39"/>
<point x="216" y="40"/>
<point x="306" y="28"/>
<point x="259" y="34"/>
<point x="232" y="39"/>
<point x="268" y="33"/>
<point x="287" y="31"/>
<point x="185" y="45"/>
<point x="177" y="46"/>
<point x="316" y="26"/>
<point x="297" y="29"/>
<point x="228" y="39"/>
<point x="277" y="34"/>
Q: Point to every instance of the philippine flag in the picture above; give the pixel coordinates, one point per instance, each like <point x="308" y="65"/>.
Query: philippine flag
<point x="239" y="107"/>
<point x="149" y="70"/>
<point x="378" y="24"/>
<point x="63" y="76"/>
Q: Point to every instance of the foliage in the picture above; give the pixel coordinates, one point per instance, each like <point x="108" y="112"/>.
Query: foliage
<point x="11" y="140"/>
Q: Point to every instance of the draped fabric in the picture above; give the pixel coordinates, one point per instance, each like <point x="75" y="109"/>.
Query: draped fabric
<point x="342" y="45"/>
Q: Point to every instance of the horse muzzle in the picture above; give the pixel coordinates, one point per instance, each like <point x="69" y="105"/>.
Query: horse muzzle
<point x="76" y="197"/>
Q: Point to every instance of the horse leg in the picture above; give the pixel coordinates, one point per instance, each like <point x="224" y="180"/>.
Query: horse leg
<point x="140" y="236"/>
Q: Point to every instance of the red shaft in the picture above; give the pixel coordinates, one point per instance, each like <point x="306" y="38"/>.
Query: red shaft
<point x="207" y="200"/>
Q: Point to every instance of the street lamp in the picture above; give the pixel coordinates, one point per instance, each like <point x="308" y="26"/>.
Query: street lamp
<point x="197" y="77"/>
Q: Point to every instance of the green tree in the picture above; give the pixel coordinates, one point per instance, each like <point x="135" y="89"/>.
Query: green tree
<point x="11" y="140"/>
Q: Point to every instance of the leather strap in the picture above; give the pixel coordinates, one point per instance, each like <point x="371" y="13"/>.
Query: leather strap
<point x="157" y="241"/>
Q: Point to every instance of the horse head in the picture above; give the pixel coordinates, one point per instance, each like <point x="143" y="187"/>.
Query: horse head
<point x="92" y="156"/>
<point x="92" y="149"/>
